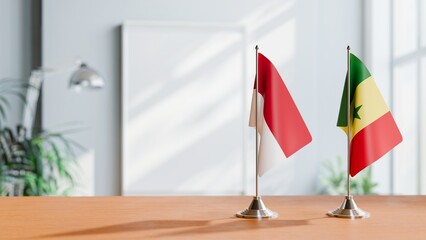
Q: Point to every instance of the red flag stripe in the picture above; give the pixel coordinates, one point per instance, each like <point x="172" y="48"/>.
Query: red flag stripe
<point x="280" y="112"/>
<point x="374" y="141"/>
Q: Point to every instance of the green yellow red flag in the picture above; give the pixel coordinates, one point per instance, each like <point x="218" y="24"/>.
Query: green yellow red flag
<point x="373" y="129"/>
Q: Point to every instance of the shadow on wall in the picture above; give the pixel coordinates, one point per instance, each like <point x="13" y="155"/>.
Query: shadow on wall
<point x="188" y="108"/>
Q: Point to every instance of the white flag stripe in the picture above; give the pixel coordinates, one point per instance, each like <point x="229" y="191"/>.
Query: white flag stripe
<point x="260" y="118"/>
<point x="270" y="152"/>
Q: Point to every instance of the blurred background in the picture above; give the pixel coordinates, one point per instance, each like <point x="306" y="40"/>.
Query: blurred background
<point x="172" y="115"/>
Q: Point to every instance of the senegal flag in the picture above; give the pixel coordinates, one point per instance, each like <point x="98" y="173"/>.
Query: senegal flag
<point x="373" y="129"/>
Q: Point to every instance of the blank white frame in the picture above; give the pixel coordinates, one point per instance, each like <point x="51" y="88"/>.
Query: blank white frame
<point x="130" y="26"/>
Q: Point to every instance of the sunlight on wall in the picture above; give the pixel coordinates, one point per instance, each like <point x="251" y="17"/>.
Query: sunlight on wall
<point x="265" y="13"/>
<point x="283" y="36"/>
<point x="189" y="91"/>
<point x="405" y="111"/>
<point x="395" y="49"/>
<point x="216" y="44"/>
<point x="187" y="128"/>
<point x="405" y="21"/>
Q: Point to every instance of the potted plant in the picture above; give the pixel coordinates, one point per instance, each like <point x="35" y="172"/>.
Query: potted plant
<point x="333" y="181"/>
<point x="35" y="165"/>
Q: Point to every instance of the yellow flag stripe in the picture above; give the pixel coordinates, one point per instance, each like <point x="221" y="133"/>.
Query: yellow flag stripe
<point x="373" y="106"/>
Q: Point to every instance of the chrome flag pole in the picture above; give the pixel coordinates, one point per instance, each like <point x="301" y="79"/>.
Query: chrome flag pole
<point x="348" y="208"/>
<point x="257" y="208"/>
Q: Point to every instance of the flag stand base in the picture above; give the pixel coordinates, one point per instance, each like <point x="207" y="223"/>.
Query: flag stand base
<point x="257" y="209"/>
<point x="348" y="209"/>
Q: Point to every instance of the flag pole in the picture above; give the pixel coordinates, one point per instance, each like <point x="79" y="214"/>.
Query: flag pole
<point x="348" y="115"/>
<point x="257" y="133"/>
<point x="348" y="208"/>
<point x="257" y="208"/>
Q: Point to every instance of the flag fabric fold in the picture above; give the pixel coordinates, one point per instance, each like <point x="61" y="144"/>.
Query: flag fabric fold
<point x="281" y="127"/>
<point x="373" y="129"/>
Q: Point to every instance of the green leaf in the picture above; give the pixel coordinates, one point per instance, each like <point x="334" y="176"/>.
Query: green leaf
<point x="30" y="182"/>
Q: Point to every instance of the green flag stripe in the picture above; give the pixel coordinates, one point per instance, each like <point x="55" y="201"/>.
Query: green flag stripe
<point x="358" y="74"/>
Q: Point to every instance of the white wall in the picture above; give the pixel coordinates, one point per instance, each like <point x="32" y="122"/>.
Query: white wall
<point x="340" y="24"/>
<point x="395" y="61"/>
<point x="15" y="48"/>
<point x="305" y="39"/>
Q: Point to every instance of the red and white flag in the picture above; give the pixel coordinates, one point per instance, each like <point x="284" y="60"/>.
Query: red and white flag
<point x="280" y="125"/>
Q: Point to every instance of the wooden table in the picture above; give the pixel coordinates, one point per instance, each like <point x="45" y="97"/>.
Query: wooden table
<point x="301" y="217"/>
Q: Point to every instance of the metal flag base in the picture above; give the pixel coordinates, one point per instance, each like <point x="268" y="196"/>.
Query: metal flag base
<point x="257" y="209"/>
<point x="348" y="209"/>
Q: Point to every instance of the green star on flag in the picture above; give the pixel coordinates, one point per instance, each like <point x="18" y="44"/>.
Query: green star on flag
<point x="356" y="115"/>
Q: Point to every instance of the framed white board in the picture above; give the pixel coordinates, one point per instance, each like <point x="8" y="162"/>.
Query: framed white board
<point x="183" y="109"/>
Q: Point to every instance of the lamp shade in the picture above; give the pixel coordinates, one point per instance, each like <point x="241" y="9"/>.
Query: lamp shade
<point x="86" y="77"/>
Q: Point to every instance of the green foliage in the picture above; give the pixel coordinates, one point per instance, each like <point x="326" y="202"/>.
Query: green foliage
<point x="36" y="165"/>
<point x="41" y="164"/>
<point x="335" y="177"/>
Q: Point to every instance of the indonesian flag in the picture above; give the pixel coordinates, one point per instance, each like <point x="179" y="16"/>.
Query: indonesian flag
<point x="373" y="129"/>
<point x="280" y="125"/>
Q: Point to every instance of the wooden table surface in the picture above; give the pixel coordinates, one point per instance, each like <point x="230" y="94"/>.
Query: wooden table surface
<point x="301" y="217"/>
